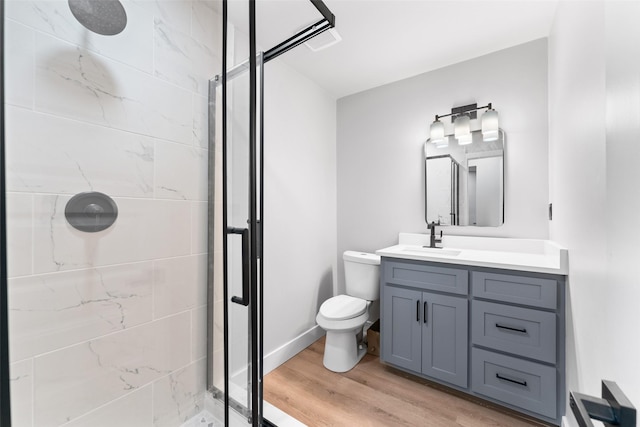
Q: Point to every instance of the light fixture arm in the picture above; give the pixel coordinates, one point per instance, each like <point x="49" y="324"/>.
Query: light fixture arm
<point x="463" y="110"/>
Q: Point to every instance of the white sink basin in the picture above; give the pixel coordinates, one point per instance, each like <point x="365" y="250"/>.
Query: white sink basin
<point x="431" y="251"/>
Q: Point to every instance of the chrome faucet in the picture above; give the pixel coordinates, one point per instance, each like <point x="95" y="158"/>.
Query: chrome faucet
<point x="433" y="241"/>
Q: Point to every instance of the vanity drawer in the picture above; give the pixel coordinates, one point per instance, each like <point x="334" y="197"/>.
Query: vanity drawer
<point x="451" y="280"/>
<point x="522" y="331"/>
<point x="533" y="291"/>
<point x="527" y="385"/>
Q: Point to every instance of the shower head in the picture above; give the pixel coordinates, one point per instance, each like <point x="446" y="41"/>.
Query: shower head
<point x="106" y="17"/>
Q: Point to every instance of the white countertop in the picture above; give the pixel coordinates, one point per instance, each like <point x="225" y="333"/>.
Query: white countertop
<point x="542" y="256"/>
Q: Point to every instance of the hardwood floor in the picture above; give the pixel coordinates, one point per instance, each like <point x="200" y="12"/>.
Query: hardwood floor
<point x="372" y="394"/>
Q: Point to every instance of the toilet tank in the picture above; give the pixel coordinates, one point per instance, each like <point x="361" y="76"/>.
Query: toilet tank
<point x="362" y="275"/>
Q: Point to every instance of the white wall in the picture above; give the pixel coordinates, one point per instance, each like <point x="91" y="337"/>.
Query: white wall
<point x="300" y="206"/>
<point x="594" y="126"/>
<point x="623" y="198"/>
<point x="380" y="140"/>
<point x="108" y="328"/>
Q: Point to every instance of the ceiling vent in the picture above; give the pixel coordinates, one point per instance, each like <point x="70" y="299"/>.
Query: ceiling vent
<point x="323" y="40"/>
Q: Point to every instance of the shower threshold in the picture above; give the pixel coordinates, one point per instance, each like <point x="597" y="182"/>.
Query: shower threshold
<point x="213" y="416"/>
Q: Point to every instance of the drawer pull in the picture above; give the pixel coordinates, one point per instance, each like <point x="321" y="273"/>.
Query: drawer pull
<point x="522" y="383"/>
<point x="418" y="311"/>
<point x="523" y="331"/>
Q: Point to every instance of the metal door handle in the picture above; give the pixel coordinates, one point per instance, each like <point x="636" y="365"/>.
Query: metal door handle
<point x="522" y="383"/>
<point x="521" y="330"/>
<point x="425" y="312"/>
<point x="418" y="311"/>
<point x="244" y="232"/>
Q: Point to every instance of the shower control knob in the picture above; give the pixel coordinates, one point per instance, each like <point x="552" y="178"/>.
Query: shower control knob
<point x="91" y="212"/>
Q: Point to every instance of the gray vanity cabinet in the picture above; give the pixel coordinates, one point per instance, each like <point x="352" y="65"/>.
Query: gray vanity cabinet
<point x="425" y="331"/>
<point x="444" y="338"/>
<point x="496" y="334"/>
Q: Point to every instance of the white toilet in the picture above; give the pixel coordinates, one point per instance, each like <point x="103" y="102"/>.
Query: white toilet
<point x="344" y="316"/>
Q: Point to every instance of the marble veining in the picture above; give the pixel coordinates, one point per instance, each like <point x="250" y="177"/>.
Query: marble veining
<point x="82" y="85"/>
<point x="54" y="17"/>
<point x="99" y="337"/>
<point x="51" y="311"/>
<point x="179" y="396"/>
<point x="182" y="60"/>
<point x="95" y="372"/>
<point x="20" y="380"/>
<point x="87" y="157"/>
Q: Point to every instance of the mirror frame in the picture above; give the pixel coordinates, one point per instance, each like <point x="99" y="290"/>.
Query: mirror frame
<point x="503" y="137"/>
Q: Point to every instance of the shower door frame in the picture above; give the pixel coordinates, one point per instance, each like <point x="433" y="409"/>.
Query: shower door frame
<point x="5" y="397"/>
<point x="255" y="230"/>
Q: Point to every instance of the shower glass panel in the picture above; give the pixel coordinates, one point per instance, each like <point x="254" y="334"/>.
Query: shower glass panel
<point x="108" y="327"/>
<point x="239" y="301"/>
<point x="234" y="132"/>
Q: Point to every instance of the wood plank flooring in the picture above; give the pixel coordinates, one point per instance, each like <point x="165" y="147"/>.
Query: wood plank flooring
<point x="373" y="394"/>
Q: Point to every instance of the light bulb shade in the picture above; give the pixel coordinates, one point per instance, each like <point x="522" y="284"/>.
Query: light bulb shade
<point x="462" y="129"/>
<point x="490" y="125"/>
<point x="436" y="134"/>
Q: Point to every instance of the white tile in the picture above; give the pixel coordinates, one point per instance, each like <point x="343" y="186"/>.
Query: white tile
<point x="176" y="13"/>
<point x="199" y="227"/>
<point x="201" y="121"/>
<point x="20" y="380"/>
<point x="50" y="154"/>
<point x="179" y="396"/>
<point x="144" y="230"/>
<point x="181" y="172"/>
<point x="182" y="60"/>
<point x="179" y="284"/>
<point x="218" y="369"/>
<point x="218" y="277"/>
<point x="82" y="85"/>
<point x="132" y="410"/>
<point x="95" y="372"/>
<point x="133" y="46"/>
<point x="199" y="333"/>
<point x="203" y="419"/>
<point x="19" y="230"/>
<point x="207" y="24"/>
<point x="51" y="311"/>
<point x="19" y="64"/>
<point x="218" y="325"/>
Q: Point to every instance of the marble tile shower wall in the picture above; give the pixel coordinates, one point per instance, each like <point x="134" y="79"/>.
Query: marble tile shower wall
<point x="108" y="328"/>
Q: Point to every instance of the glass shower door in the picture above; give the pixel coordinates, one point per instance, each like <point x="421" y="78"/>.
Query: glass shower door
<point x="235" y="374"/>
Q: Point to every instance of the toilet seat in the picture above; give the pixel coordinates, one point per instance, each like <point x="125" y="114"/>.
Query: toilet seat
<point x="343" y="307"/>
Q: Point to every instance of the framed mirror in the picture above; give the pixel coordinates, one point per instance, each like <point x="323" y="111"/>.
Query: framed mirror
<point x="464" y="184"/>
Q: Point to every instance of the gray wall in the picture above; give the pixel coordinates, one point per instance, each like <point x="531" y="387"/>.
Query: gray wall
<point x="380" y="136"/>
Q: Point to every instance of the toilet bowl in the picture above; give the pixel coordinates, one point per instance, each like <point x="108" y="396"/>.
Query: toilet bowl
<point x="343" y="316"/>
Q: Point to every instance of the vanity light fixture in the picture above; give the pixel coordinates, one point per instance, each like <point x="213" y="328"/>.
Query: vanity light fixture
<point x="461" y="118"/>
<point x="437" y="135"/>
<point x="490" y="125"/>
<point x="462" y="129"/>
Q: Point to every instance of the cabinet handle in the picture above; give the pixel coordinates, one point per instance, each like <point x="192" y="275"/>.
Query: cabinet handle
<point x="523" y="331"/>
<point x="418" y="311"/>
<point x="522" y="383"/>
<point x="425" y="312"/>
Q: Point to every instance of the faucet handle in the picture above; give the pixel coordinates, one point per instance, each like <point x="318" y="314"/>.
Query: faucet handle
<point x="433" y="224"/>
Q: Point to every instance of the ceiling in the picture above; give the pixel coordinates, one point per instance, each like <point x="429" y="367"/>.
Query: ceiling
<point x="387" y="40"/>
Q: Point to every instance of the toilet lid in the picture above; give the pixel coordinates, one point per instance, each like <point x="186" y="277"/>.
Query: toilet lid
<point x="343" y="307"/>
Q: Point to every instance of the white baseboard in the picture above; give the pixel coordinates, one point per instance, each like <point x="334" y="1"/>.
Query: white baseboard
<point x="286" y="351"/>
<point x="280" y="355"/>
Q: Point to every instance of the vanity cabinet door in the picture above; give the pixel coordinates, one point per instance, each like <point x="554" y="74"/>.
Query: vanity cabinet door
<point x="401" y="327"/>
<point x="445" y="338"/>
